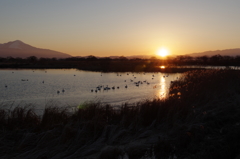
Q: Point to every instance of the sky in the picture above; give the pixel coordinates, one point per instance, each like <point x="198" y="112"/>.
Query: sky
<point x="122" y="27"/>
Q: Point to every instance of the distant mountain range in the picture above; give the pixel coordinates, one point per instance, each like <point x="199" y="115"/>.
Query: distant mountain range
<point x="20" y="49"/>
<point x="227" y="52"/>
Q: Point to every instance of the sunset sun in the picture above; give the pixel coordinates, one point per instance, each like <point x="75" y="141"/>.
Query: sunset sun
<point x="162" y="52"/>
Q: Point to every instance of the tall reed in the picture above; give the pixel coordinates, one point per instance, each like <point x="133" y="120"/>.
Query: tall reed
<point x="200" y="117"/>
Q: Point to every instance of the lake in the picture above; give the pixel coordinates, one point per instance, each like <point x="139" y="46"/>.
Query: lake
<point x="71" y="87"/>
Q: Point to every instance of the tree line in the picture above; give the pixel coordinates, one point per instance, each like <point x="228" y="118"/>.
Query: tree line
<point x="118" y="64"/>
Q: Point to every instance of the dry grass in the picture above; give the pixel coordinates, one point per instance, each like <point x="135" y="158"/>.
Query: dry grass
<point x="200" y="119"/>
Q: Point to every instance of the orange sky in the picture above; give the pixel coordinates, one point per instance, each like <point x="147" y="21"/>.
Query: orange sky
<point x="115" y="28"/>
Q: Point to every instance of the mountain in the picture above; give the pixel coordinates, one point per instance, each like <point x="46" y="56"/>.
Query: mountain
<point x="227" y="52"/>
<point x="20" y="49"/>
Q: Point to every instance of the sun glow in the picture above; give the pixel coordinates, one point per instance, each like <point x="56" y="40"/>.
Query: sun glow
<point x="163" y="52"/>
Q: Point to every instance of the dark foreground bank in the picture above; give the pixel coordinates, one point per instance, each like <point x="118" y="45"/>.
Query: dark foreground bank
<point x="200" y="119"/>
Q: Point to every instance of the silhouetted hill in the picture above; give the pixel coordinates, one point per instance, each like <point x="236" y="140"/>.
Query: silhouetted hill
<point x="227" y="52"/>
<point x="20" y="49"/>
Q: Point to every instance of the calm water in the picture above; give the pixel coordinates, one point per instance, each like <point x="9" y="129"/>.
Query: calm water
<point x="40" y="87"/>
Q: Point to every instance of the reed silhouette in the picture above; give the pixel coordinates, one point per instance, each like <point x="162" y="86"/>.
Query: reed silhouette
<point x="199" y="119"/>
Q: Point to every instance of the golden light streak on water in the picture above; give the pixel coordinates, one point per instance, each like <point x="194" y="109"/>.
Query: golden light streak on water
<point x="163" y="89"/>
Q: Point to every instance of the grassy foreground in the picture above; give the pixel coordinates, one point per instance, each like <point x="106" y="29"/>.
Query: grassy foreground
<point x="200" y="119"/>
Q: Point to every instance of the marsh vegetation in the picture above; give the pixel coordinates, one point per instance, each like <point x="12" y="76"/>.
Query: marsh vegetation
<point x="199" y="119"/>
<point x="122" y="64"/>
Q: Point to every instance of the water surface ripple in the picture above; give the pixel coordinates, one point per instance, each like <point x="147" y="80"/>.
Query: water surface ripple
<point x="73" y="87"/>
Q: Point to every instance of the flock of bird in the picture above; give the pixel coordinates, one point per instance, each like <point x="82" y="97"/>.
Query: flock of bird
<point x="136" y="83"/>
<point x="101" y="87"/>
<point x="106" y="88"/>
<point x="63" y="90"/>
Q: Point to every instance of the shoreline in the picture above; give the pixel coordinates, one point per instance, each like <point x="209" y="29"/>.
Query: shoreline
<point x="156" y="69"/>
<point x="202" y="121"/>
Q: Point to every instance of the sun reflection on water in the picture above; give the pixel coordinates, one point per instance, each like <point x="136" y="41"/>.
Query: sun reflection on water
<point x="163" y="89"/>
